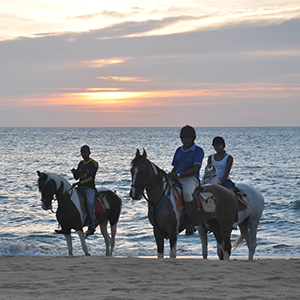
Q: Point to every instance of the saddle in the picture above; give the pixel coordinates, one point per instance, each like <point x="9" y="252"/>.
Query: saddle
<point x="203" y="199"/>
<point x="242" y="198"/>
<point x="101" y="204"/>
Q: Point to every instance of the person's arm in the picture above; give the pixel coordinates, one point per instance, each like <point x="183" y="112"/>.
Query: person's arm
<point x="173" y="173"/>
<point x="76" y="172"/>
<point x="228" y="168"/>
<point x="194" y="170"/>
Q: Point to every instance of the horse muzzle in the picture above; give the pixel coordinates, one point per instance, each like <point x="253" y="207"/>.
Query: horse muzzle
<point x="46" y="204"/>
<point x="134" y="195"/>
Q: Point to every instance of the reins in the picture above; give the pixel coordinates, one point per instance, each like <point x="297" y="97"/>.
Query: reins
<point x="55" y="195"/>
<point x="163" y="199"/>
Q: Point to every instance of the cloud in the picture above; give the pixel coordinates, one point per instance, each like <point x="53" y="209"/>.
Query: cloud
<point x="104" y="13"/>
<point x="228" y="71"/>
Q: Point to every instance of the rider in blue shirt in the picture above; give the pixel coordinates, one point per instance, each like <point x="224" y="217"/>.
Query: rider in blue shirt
<point x="186" y="164"/>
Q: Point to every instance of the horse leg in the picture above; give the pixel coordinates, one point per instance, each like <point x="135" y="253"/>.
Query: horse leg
<point x="223" y="239"/>
<point x="160" y="244"/>
<point x="253" y="243"/>
<point x="249" y="232"/>
<point x="203" y="236"/>
<point x="103" y="227"/>
<point x="173" y="245"/>
<point x="69" y="243"/>
<point x="83" y="242"/>
<point x="214" y="226"/>
<point x="220" y="251"/>
<point x="113" y="238"/>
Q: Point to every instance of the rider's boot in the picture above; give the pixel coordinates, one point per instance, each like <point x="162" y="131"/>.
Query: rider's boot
<point x="91" y="221"/>
<point x="190" y="211"/>
<point x="91" y="228"/>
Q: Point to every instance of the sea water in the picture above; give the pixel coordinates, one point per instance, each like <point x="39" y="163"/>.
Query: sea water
<point x="266" y="158"/>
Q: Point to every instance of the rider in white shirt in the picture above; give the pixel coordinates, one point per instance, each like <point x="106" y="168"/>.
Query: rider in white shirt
<point x="223" y="163"/>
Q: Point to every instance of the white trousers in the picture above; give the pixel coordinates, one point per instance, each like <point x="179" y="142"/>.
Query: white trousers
<point x="189" y="185"/>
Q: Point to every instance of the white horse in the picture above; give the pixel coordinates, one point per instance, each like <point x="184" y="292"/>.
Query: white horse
<point x="248" y="218"/>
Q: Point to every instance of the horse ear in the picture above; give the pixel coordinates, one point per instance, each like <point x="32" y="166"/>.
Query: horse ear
<point x="137" y="152"/>
<point x="39" y="173"/>
<point x="144" y="154"/>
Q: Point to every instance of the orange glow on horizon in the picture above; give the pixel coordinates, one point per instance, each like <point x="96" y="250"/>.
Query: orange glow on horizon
<point x="115" y="98"/>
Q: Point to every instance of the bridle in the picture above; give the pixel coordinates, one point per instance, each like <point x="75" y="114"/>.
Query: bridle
<point x="54" y="191"/>
<point x="149" y="188"/>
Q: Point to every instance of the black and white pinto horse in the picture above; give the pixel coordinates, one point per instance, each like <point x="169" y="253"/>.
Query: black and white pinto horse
<point x="248" y="218"/>
<point x="72" y="214"/>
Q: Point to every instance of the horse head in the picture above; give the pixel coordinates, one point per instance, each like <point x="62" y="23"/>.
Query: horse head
<point x="210" y="175"/>
<point x="48" y="185"/>
<point x="139" y="168"/>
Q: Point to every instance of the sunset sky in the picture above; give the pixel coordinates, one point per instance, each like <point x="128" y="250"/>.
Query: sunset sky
<point x="150" y="63"/>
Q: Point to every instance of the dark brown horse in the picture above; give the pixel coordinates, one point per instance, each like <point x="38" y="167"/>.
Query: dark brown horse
<point x="167" y="220"/>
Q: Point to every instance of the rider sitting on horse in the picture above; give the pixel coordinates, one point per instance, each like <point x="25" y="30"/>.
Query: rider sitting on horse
<point x="186" y="164"/>
<point x="223" y="163"/>
<point x="86" y="173"/>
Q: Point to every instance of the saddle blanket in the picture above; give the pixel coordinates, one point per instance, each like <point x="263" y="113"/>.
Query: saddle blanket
<point x="242" y="198"/>
<point x="205" y="200"/>
<point x="101" y="204"/>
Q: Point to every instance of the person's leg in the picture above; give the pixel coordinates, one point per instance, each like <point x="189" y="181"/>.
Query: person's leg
<point x="90" y="196"/>
<point x="229" y="184"/>
<point x="189" y="184"/>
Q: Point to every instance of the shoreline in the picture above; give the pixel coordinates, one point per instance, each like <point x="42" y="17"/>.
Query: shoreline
<point x="135" y="278"/>
<point x="212" y="257"/>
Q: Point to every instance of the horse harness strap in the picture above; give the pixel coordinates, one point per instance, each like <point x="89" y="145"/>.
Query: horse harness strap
<point x="167" y="197"/>
<point x="153" y="215"/>
<point x="155" y="211"/>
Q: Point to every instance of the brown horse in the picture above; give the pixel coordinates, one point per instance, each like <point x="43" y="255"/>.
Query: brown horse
<point x="167" y="220"/>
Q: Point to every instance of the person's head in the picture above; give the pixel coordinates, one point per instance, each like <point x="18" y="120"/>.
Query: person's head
<point x="85" y="152"/>
<point x="188" y="136"/>
<point x="218" y="142"/>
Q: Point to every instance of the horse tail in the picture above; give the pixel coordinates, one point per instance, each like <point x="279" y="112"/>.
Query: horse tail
<point x="238" y="242"/>
<point x="115" y="205"/>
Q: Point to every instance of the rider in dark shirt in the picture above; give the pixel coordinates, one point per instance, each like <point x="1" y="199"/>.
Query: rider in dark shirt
<point x="86" y="173"/>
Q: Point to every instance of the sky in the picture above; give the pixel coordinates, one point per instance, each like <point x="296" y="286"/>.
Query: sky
<point x="149" y="63"/>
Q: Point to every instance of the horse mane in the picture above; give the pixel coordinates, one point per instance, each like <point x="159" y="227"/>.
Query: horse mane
<point x="46" y="177"/>
<point x="140" y="158"/>
<point x="161" y="170"/>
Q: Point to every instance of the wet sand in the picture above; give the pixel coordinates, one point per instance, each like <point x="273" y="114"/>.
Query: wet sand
<point x="114" y="278"/>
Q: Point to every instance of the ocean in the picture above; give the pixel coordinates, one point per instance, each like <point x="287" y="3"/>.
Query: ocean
<point x="268" y="158"/>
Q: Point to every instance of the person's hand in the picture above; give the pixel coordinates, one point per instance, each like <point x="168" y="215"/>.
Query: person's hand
<point x="75" y="184"/>
<point x="173" y="175"/>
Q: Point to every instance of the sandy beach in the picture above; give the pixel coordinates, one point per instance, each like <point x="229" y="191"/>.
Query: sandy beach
<point x="114" y="278"/>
